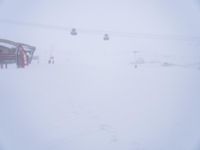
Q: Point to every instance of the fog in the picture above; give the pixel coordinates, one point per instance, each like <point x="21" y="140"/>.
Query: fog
<point x="137" y="90"/>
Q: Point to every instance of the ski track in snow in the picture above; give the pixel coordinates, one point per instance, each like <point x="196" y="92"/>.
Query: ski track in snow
<point x="92" y="106"/>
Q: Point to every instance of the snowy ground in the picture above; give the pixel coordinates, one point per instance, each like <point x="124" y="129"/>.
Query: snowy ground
<point x="100" y="105"/>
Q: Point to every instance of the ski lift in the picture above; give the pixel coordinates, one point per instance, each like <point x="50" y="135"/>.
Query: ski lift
<point x="73" y="31"/>
<point x="51" y="60"/>
<point x="106" y="37"/>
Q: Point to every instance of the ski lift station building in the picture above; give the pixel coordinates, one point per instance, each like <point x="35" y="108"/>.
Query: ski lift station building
<point x="15" y="53"/>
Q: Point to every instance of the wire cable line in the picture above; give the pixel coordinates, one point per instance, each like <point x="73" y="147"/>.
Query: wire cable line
<point x="105" y="33"/>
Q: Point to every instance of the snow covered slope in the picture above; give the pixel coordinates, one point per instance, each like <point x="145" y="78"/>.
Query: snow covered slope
<point x="90" y="106"/>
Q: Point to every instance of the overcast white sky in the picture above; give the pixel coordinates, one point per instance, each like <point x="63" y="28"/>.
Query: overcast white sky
<point x="176" y="17"/>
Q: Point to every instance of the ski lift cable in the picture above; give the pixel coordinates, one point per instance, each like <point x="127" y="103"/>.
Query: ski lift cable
<point x="104" y="32"/>
<point x="35" y="25"/>
<point x="144" y="35"/>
